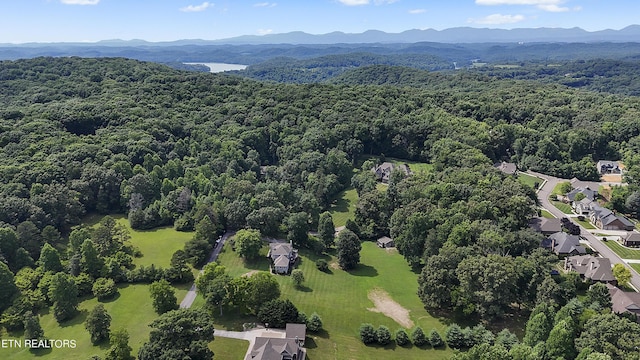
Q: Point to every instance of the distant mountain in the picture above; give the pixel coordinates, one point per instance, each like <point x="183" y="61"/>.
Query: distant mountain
<point x="453" y="35"/>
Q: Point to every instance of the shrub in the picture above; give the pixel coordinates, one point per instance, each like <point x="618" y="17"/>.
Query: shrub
<point x="435" y="339"/>
<point x="104" y="288"/>
<point x="322" y="265"/>
<point x="455" y="336"/>
<point x="383" y="335"/>
<point x="367" y="334"/>
<point x="402" y="338"/>
<point x="314" y="323"/>
<point x="418" y="337"/>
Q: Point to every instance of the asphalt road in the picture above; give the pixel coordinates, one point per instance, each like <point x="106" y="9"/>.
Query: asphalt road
<point x="596" y="244"/>
<point x="191" y="294"/>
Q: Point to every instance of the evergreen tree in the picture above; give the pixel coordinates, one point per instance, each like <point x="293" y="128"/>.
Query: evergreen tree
<point x="63" y="292"/>
<point x="435" y="339"/>
<point x="119" y="346"/>
<point x="8" y="289"/>
<point x="367" y="334"/>
<point x="326" y="229"/>
<point x="50" y="259"/>
<point x="402" y="338"/>
<point x="348" y="249"/>
<point x="418" y="337"/>
<point x="32" y="328"/>
<point x="455" y="337"/>
<point x="314" y="323"/>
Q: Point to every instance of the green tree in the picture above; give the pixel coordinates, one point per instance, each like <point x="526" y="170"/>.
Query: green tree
<point x="348" y="249"/>
<point x="560" y="341"/>
<point x="248" y="243"/>
<point x="163" y="296"/>
<point x="190" y="342"/>
<point x="455" y="337"/>
<point x="435" y="339"/>
<point x="91" y="263"/>
<point x="104" y="288"/>
<point x="622" y="274"/>
<point x="298" y="228"/>
<point x="260" y="288"/>
<point x="418" y="337"/>
<point x="383" y="335"/>
<point x="298" y="277"/>
<point x="98" y="324"/>
<point x="599" y="293"/>
<point x="367" y="334"/>
<point x="8" y="289"/>
<point x="277" y="313"/>
<point x="32" y="328"/>
<point x="314" y="323"/>
<point x="50" y="259"/>
<point x="610" y="334"/>
<point x="506" y="338"/>
<point x="63" y="292"/>
<point x="119" y="348"/>
<point x="537" y="330"/>
<point x="402" y="338"/>
<point x="326" y="229"/>
<point x="206" y="230"/>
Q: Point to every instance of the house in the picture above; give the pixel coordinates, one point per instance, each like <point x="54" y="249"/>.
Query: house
<point x="384" y="170"/>
<point x="624" y="302"/>
<point x="632" y="239"/>
<point x="385" y="242"/>
<point x="506" y="167"/>
<point x="289" y="348"/>
<point x="605" y="219"/>
<point x="609" y="167"/>
<point x="582" y="207"/>
<point x="545" y="226"/>
<point x="562" y="243"/>
<point x="591" y="268"/>
<point x="586" y="191"/>
<point x="282" y="256"/>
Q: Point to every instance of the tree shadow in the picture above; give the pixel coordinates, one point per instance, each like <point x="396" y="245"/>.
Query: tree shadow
<point x="310" y="343"/>
<point x="364" y="270"/>
<point x="261" y="264"/>
<point x="303" y="288"/>
<point x="79" y="318"/>
<point x="40" y="351"/>
<point x="111" y="299"/>
<point x="322" y="333"/>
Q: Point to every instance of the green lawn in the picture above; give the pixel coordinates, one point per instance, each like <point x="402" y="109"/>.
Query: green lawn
<point x="343" y="206"/>
<point x="556" y="189"/>
<point x="545" y="214"/>
<point x="622" y="251"/>
<point x="529" y="180"/>
<point x="635" y="267"/>
<point x="584" y="223"/>
<point x="231" y="349"/>
<point x="132" y="309"/>
<point x="341" y="299"/>
<point x="565" y="208"/>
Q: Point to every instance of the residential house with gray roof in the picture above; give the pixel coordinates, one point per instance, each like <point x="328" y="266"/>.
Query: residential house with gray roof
<point x="562" y="243"/>
<point x="591" y="268"/>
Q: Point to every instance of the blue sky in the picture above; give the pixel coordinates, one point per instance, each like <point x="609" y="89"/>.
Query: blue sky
<point x="166" y="20"/>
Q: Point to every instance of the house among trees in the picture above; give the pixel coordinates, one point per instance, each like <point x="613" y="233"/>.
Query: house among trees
<point x="562" y="243"/>
<point x="545" y="226"/>
<point x="384" y="170"/>
<point x="507" y="168"/>
<point x="609" y="167"/>
<point x="586" y="192"/>
<point x="624" y="302"/>
<point x="601" y="217"/>
<point x="282" y="256"/>
<point x="591" y="268"/>
<point x="385" y="242"/>
<point x="289" y="348"/>
<point x="632" y="239"/>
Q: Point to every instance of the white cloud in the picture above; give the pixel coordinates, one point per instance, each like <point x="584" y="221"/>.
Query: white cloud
<point x="519" y="2"/>
<point x="553" y="8"/>
<point x="265" y="4"/>
<point x="80" y="2"/>
<point x="196" y="8"/>
<point x="417" y="11"/>
<point x="354" y="2"/>
<point x="498" y="19"/>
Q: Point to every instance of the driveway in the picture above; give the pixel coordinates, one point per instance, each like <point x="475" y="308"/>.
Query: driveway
<point x="594" y="243"/>
<point x="191" y="294"/>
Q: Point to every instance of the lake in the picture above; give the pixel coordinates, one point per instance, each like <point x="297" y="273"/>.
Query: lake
<point x="220" y="67"/>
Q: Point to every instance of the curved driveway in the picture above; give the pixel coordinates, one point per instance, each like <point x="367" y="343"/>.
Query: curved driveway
<point x="597" y="245"/>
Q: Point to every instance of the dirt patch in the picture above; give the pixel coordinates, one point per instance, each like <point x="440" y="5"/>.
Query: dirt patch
<point x="334" y="265"/>
<point x="612" y="178"/>
<point x="391" y="250"/>
<point x="250" y="273"/>
<point x="387" y="306"/>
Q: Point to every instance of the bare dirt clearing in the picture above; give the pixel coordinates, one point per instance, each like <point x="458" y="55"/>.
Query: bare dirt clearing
<point x="386" y="305"/>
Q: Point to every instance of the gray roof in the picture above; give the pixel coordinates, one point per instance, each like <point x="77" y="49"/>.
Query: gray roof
<point x="507" y="168"/>
<point x="296" y="331"/>
<point x="564" y="243"/>
<point x="622" y="301"/>
<point x="545" y="225"/>
<point x="632" y="236"/>
<point x="588" y="193"/>
<point x="277" y="249"/>
<point x="385" y="240"/>
<point x="275" y="349"/>
<point x="594" y="268"/>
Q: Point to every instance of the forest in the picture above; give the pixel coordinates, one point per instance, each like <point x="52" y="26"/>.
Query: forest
<point x="214" y="152"/>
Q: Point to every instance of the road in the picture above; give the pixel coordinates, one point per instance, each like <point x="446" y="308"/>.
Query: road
<point x="597" y="245"/>
<point x="191" y="294"/>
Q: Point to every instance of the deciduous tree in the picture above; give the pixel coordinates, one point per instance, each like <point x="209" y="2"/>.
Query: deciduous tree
<point x="163" y="296"/>
<point x="98" y="324"/>
<point x="348" y="249"/>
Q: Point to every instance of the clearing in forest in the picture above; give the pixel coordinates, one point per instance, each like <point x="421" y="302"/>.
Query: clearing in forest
<point x="386" y="305"/>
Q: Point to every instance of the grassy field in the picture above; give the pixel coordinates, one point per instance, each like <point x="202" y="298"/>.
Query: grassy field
<point x="344" y="206"/>
<point x="341" y="299"/>
<point x="545" y="214"/>
<point x="131" y="309"/>
<point x="565" y="208"/>
<point x="556" y="189"/>
<point x="584" y="223"/>
<point x="529" y="180"/>
<point x="635" y="267"/>
<point x="622" y="251"/>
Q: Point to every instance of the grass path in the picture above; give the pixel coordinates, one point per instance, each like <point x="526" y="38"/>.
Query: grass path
<point x="344" y="206"/>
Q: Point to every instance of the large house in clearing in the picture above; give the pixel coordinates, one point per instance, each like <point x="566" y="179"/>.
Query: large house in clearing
<point x="282" y="256"/>
<point x="562" y="243"/>
<point x="384" y="170"/>
<point x="591" y="268"/>
<point x="289" y="348"/>
<point x="601" y="217"/>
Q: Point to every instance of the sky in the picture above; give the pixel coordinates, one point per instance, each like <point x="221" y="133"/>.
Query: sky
<point x="167" y="20"/>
